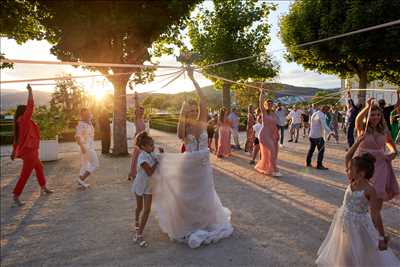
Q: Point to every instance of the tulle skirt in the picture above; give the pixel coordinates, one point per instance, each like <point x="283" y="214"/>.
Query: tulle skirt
<point x="352" y="240"/>
<point x="185" y="201"/>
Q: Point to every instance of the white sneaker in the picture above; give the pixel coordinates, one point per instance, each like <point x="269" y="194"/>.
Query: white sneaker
<point x="82" y="183"/>
<point x="276" y="174"/>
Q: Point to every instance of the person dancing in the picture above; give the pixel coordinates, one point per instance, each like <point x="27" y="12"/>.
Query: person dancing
<point x="224" y="135"/>
<point x="185" y="200"/>
<point x="269" y="138"/>
<point x="377" y="137"/>
<point x="212" y="123"/>
<point x="26" y="147"/>
<point x="257" y="129"/>
<point x="140" y="126"/>
<point x="84" y="136"/>
<point x="357" y="237"/>
<point x="250" y="136"/>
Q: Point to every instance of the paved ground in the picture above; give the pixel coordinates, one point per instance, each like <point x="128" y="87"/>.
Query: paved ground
<point x="278" y="222"/>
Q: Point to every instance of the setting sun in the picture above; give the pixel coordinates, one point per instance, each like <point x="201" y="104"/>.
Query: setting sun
<point x="98" y="87"/>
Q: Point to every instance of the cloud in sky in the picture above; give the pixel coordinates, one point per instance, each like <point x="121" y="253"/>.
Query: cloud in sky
<point x="290" y="73"/>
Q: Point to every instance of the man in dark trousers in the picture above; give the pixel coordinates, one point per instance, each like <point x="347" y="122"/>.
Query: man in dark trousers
<point x="318" y="127"/>
<point x="352" y="112"/>
<point x="105" y="132"/>
<point x="388" y="109"/>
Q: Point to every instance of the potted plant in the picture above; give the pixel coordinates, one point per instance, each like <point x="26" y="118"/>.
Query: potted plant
<point x="51" y="123"/>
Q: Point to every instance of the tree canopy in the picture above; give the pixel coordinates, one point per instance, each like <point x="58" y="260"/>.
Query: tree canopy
<point x="112" y="32"/>
<point x="360" y="54"/>
<point x="22" y="21"/>
<point x="231" y="29"/>
<point x="69" y="98"/>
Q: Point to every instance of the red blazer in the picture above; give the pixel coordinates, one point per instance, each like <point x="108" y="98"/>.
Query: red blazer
<point x="29" y="134"/>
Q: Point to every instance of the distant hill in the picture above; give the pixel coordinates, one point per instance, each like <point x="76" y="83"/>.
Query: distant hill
<point x="291" y="90"/>
<point x="11" y="98"/>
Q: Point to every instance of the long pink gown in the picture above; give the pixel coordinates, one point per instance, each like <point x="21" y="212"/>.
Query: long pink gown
<point x="224" y="140"/>
<point x="384" y="179"/>
<point x="269" y="138"/>
<point x="140" y="127"/>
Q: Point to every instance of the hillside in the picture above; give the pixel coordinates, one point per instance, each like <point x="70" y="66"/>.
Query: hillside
<point x="12" y="98"/>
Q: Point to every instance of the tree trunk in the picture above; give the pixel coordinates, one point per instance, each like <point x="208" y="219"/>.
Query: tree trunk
<point x="120" y="146"/>
<point x="363" y="81"/>
<point x="226" y="95"/>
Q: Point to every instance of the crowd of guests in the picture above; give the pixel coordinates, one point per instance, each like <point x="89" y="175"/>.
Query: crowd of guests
<point x="319" y="124"/>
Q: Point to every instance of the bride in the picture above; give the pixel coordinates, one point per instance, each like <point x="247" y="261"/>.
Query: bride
<point x="186" y="203"/>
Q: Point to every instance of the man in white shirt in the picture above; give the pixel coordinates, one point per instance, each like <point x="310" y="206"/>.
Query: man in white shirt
<point x="281" y="117"/>
<point x="234" y="118"/>
<point x="317" y="127"/>
<point x="295" y="123"/>
<point x="84" y="136"/>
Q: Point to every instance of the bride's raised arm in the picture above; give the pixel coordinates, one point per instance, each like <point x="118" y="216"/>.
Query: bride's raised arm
<point x="203" y="113"/>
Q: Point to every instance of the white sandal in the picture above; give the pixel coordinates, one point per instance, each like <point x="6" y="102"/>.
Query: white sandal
<point x="139" y="239"/>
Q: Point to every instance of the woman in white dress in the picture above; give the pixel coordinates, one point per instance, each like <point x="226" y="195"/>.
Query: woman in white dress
<point x="186" y="203"/>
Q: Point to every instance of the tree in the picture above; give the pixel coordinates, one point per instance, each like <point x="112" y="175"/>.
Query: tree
<point x="21" y="21"/>
<point x="69" y="98"/>
<point x="361" y="54"/>
<point x="246" y="95"/>
<point x="112" y="32"/>
<point x="389" y="76"/>
<point x="232" y="29"/>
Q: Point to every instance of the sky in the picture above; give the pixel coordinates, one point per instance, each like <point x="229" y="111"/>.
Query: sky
<point x="290" y="73"/>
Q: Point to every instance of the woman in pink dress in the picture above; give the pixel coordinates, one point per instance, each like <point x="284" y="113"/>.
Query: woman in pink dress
<point x="140" y="126"/>
<point x="268" y="138"/>
<point x="224" y="135"/>
<point x="251" y="120"/>
<point x="377" y="136"/>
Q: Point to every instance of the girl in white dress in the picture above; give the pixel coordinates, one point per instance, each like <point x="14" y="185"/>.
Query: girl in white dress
<point x="143" y="184"/>
<point x="186" y="203"/>
<point x="357" y="238"/>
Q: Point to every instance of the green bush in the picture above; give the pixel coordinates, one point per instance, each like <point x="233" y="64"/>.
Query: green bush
<point x="50" y="120"/>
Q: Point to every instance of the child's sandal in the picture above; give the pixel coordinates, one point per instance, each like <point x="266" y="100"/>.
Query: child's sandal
<point x="143" y="244"/>
<point x="139" y="239"/>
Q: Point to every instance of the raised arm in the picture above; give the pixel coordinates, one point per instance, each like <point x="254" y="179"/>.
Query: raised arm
<point x="261" y="101"/>
<point x="203" y="114"/>
<point x="350" y="100"/>
<point x="352" y="150"/>
<point x="363" y="113"/>
<point x="29" y="105"/>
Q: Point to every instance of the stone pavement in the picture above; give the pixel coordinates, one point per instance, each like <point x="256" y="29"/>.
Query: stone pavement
<point x="278" y="222"/>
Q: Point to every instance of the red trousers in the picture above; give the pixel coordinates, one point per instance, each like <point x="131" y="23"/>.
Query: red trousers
<point x="31" y="161"/>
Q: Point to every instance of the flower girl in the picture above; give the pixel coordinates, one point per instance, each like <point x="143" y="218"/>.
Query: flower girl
<point x="357" y="238"/>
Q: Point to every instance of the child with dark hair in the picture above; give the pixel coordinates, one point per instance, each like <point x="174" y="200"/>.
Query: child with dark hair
<point x="143" y="185"/>
<point x="356" y="237"/>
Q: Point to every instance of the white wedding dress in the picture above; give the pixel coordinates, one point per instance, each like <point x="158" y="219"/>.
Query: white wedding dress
<point x="186" y="203"/>
<point x="352" y="239"/>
